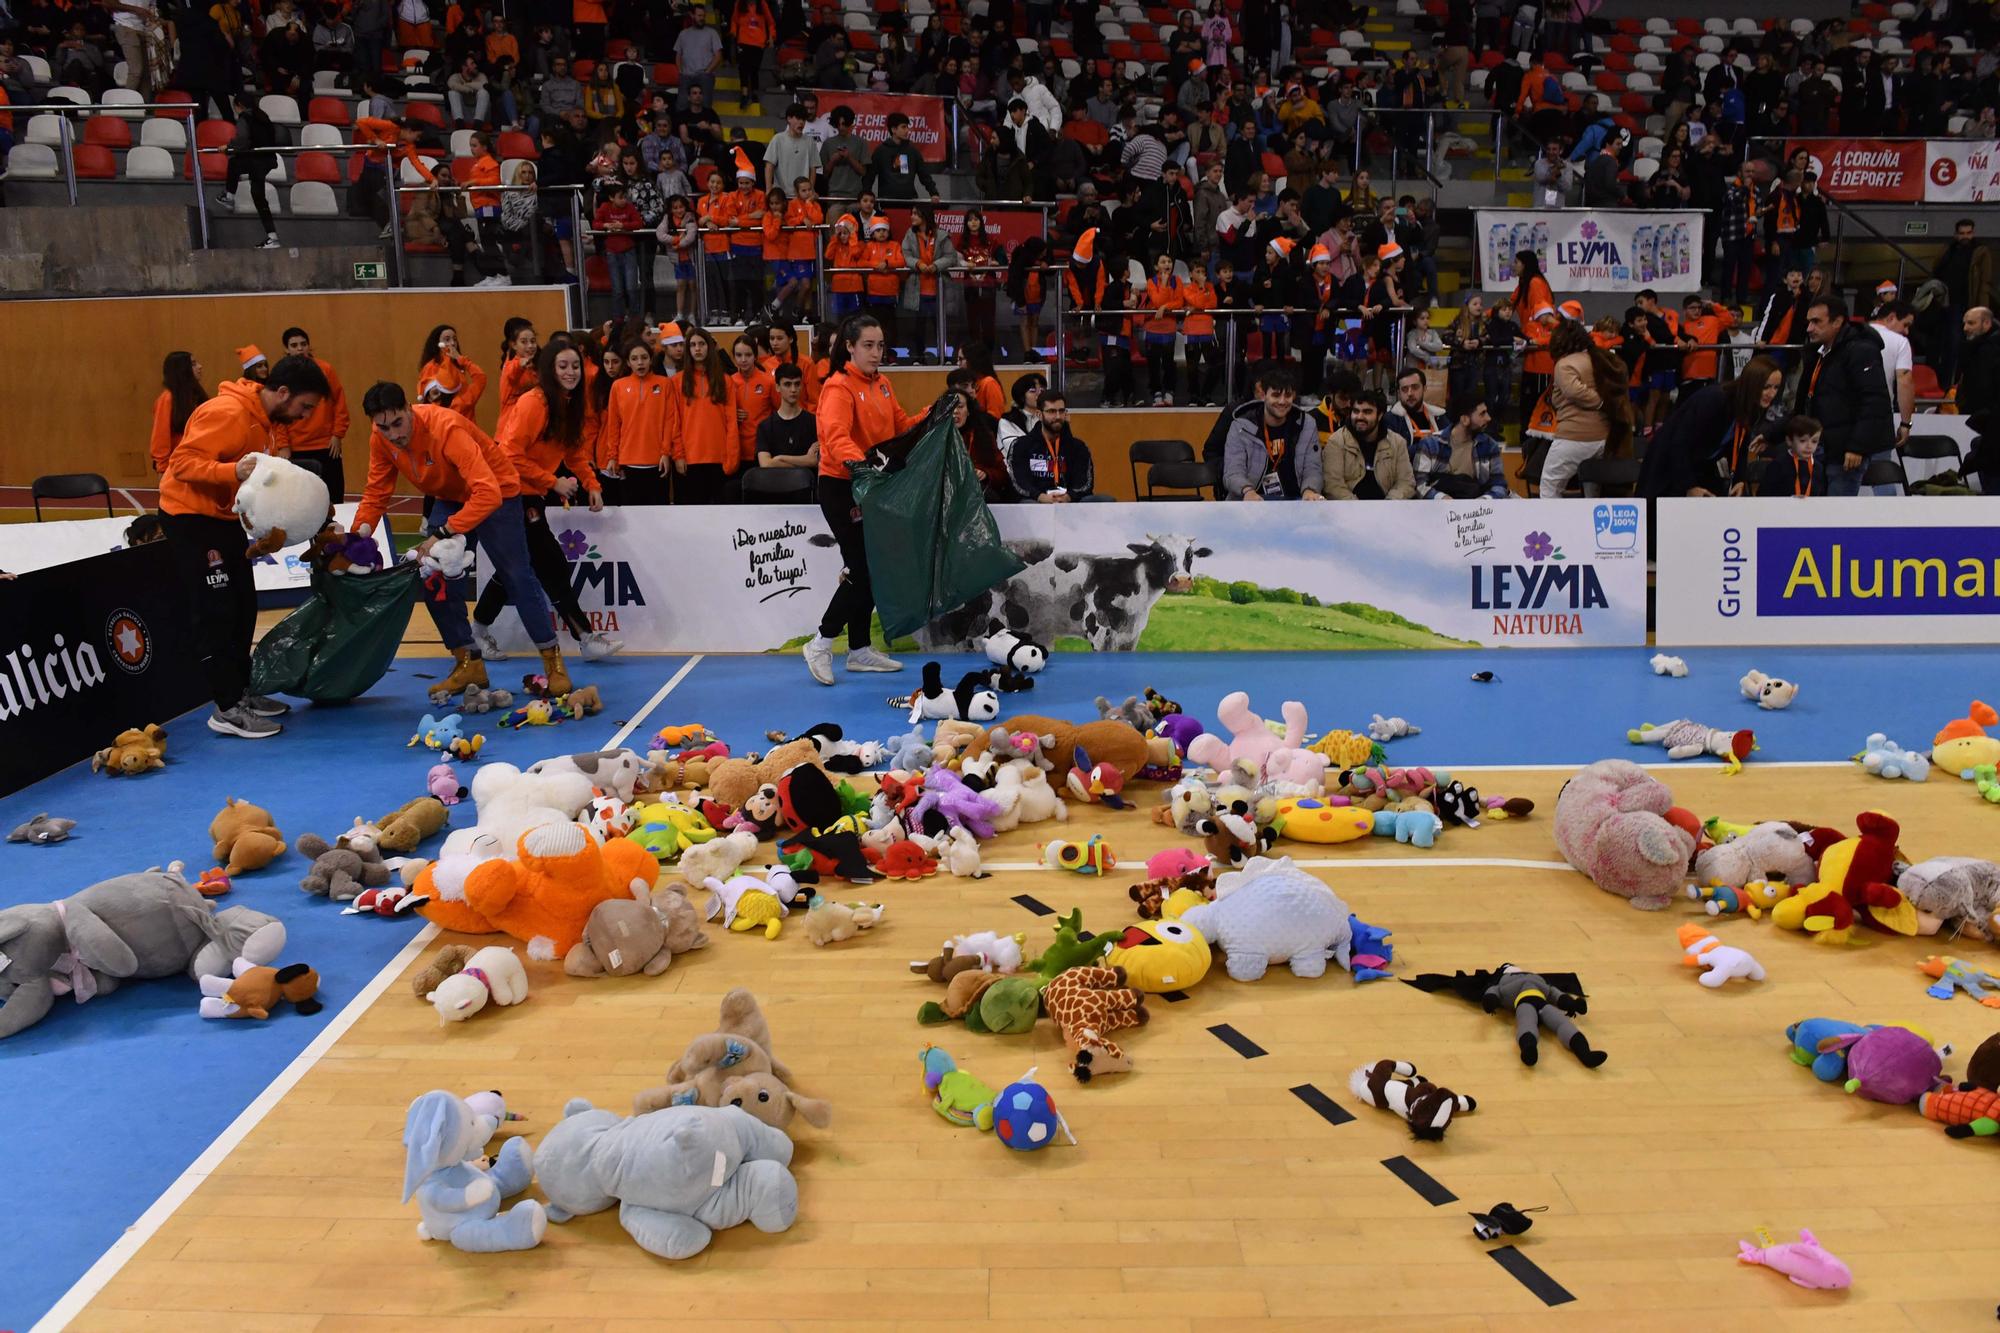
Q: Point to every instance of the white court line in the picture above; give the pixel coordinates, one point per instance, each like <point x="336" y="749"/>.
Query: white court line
<point x="99" y="1274"/>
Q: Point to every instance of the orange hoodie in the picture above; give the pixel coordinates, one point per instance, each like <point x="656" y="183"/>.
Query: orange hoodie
<point x="1536" y="360"/>
<point x="635" y="422"/>
<point x="701" y="430"/>
<point x="855" y="414"/>
<point x="200" y="476"/>
<point x="326" y="423"/>
<point x="1163" y="296"/>
<point x="887" y="280"/>
<point x="456" y="372"/>
<point x="992" y="398"/>
<point x="524" y="435"/>
<point x="846" y="254"/>
<point x="388" y="134"/>
<point x="752" y="25"/>
<point x="485" y="171"/>
<point x="801" y="247"/>
<point x="815" y="373"/>
<point x="516" y="378"/>
<point x="747" y="210"/>
<point x="161" y="445"/>
<point x="1198" y="300"/>
<point x="760" y="396"/>
<point x="718" y="212"/>
<point x="1707" y="327"/>
<point x="447" y="458"/>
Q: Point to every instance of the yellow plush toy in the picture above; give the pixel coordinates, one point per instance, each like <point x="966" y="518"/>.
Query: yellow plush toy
<point x="1346" y="749"/>
<point x="1310" y="819"/>
<point x="1160" y="956"/>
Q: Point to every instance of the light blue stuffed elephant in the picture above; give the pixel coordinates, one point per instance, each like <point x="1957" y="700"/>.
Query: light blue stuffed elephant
<point x="459" y="1199"/>
<point x="677" y="1175"/>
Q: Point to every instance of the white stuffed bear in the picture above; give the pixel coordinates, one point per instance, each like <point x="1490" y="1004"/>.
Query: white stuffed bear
<point x="1768" y="691"/>
<point x="449" y="556"/>
<point x="281" y="504"/>
<point x="718" y="858"/>
<point x="510" y="802"/>
<point x="1664" y="665"/>
<point x="493" y="973"/>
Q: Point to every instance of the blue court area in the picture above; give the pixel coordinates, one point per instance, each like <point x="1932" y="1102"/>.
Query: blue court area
<point x="106" y="1104"/>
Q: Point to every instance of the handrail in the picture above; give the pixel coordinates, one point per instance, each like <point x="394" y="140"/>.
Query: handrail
<point x="1843" y="210"/>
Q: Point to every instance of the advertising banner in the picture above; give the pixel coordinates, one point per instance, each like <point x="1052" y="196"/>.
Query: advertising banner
<point x="1008" y="226"/>
<point x="930" y="118"/>
<point x="1962" y="172"/>
<point x="1867" y="170"/>
<point x="25" y="546"/>
<point x="1119" y="577"/>
<point x="1872" y="569"/>
<point x="1592" y="250"/>
<point x="96" y="645"/>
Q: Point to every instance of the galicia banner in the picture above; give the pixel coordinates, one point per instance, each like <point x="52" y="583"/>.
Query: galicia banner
<point x="1120" y="577"/>
<point x="95" y="646"/>
<point x="930" y="119"/>
<point x="1592" y="249"/>
<point x="1915" y="570"/>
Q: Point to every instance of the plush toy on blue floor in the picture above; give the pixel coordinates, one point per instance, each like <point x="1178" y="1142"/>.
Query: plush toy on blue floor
<point x="1687" y="740"/>
<point x="1886" y="759"/>
<point x="1005" y="648"/>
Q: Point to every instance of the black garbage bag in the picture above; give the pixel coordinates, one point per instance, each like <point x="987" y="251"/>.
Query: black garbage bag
<point x="338" y="644"/>
<point x="932" y="543"/>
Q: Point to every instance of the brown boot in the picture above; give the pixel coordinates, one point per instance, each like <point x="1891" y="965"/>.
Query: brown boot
<point x="469" y="670"/>
<point x="553" y="668"/>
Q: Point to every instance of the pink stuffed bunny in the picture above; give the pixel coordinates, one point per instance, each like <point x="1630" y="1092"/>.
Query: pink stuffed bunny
<point x="1251" y="741"/>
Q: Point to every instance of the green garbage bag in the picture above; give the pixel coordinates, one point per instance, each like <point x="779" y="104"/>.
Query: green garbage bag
<point x="932" y="543"/>
<point x="338" y="644"/>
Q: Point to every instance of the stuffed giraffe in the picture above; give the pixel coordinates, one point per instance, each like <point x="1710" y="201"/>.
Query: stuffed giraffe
<point x="1088" y="1004"/>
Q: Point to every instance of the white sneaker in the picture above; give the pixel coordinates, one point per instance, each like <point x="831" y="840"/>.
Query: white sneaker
<point x="868" y="659"/>
<point x="225" y="200"/>
<point x="497" y="280"/>
<point x="271" y="241"/>
<point x="819" y="659"/>
<point x="1166" y="400"/>
<point x="598" y="645"/>
<point x="240" y="721"/>
<point x="385" y="233"/>
<point x="489" y="647"/>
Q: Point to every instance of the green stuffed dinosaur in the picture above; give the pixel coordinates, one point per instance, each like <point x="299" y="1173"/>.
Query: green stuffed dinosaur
<point x="1073" y="947"/>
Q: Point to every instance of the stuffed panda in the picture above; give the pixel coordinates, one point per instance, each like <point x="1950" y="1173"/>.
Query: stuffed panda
<point x="973" y="699"/>
<point x="1005" y="648"/>
<point x="1456" y="801"/>
<point x="839" y="755"/>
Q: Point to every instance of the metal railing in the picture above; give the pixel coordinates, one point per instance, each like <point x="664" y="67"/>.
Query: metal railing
<point x="65" y="112"/>
<point x="1404" y="157"/>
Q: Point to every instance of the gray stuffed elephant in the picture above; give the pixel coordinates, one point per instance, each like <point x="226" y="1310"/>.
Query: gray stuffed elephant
<point x="135" y="927"/>
<point x="677" y="1175"/>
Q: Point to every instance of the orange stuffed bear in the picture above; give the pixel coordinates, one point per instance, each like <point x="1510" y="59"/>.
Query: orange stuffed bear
<point x="545" y="897"/>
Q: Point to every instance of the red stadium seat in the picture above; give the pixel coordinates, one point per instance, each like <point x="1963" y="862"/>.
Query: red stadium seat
<point x="1609" y="83"/>
<point x="513" y="143"/>
<point x="461" y="170"/>
<point x="107" y="132"/>
<point x="618" y="49"/>
<point x="1624" y="42"/>
<point x="320" y="167"/>
<point x="328" y="111"/>
<point x="1636" y="104"/>
<point x="214" y="163"/>
<point x="581" y="70"/>
<point x="1123" y="50"/>
<point x="94" y="162"/>
<point x="214" y="133"/>
<point x="1153" y="53"/>
<point x="864" y="39"/>
<point x="172" y="97"/>
<point x="666" y="74"/>
<point x="701" y="173"/>
<point x="1619" y="61"/>
<point x="1925" y="381"/>
<point x="425" y="112"/>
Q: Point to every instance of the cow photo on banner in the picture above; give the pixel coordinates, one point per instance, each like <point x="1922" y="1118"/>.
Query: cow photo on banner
<point x="1122" y="577"/>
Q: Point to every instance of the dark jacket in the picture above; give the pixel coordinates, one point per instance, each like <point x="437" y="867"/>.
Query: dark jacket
<point x="1783" y="476"/>
<point x="1682" y="454"/>
<point x="1979" y="373"/>
<point x="1035" y="473"/>
<point x="896" y="169"/>
<point x="1601" y="186"/>
<point x="1844" y="389"/>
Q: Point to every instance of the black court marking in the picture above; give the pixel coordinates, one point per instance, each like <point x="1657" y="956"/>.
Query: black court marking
<point x="1237" y="1042"/>
<point x="1529" y="1274"/>
<point x="1324" y="1106"/>
<point x="1173" y="996"/>
<point x="1427" y="1186"/>
<point x="1035" y="905"/>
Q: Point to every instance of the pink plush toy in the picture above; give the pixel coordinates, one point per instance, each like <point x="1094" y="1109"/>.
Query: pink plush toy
<point x="1804" y="1261"/>
<point x="1612" y="824"/>
<point x="1175" y="861"/>
<point x="1276" y="759"/>
<point x="442" y="782"/>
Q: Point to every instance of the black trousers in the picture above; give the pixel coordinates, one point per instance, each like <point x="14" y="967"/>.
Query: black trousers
<point x="644" y="486"/>
<point x="701" y="484"/>
<point x="333" y="471"/>
<point x="749" y="61"/>
<point x="211" y="561"/>
<point x="853" y="604"/>
<point x="551" y="571"/>
<point x="251" y="167"/>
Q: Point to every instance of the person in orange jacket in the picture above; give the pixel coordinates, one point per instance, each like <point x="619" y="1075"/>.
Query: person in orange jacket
<point x="395" y="143"/>
<point x="475" y="493"/>
<point x="857" y="411"/>
<point x="803" y="215"/>
<point x="884" y="282"/>
<point x="635" y="429"/>
<point x="211" y="552"/>
<point x="708" y="435"/>
<point x="757" y="385"/>
<point x="715" y="219"/>
<point x="485" y="181"/>
<point x="754" y="29"/>
<point x="451" y="370"/>
<point x="844" y="251"/>
<point x="518" y="348"/>
<point x="1164" y="299"/>
<point x="180" y="394"/>
<point x="746" y="242"/>
<point x="1701" y="322"/>
<point x="549" y="427"/>
<point x="315" y="440"/>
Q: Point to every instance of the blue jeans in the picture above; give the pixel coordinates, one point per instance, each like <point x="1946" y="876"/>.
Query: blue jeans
<point x="1839" y="481"/>
<point x="503" y="537"/>
<point x="624" y="268"/>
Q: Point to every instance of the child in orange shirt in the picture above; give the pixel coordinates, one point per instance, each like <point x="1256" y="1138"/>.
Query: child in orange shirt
<point x="884" y="284"/>
<point x="635" y="425"/>
<point x="803" y="214"/>
<point x="518" y="349"/>
<point x="1163" y="295"/>
<point x="709" y="436"/>
<point x="1204" y="357"/>
<point x="746" y="243"/>
<point x="715" y="215"/>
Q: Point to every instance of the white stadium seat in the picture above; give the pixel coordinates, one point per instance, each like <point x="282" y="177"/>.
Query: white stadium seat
<point x="1648" y="61"/>
<point x="1712" y="44"/>
<point x="169" y="134"/>
<point x="1660" y="27"/>
<point x="409" y="174"/>
<point x="1747" y="27"/>
<point x="1802" y="27"/>
<point x="1645" y="168"/>
<point x="32" y="161"/>
<point x="38" y="70"/>
<point x="461" y="143"/>
<point x="1707" y="61"/>
<point x="146" y="163"/>
<point x="1574" y="82"/>
<point x="1903" y="10"/>
<point x="247" y="206"/>
<point x="1656" y="125"/>
<point x="45" y="129"/>
<point x="314" y="199"/>
<point x="118" y="73"/>
<point x="1955" y="126"/>
<point x="1071" y="69"/>
<point x="1652" y="45"/>
<point x="326" y="83"/>
<point x="1651" y="147"/>
<point x="1715" y="26"/>
<point x="511" y="168"/>
<point x="1639" y="81"/>
<point x="1340" y="57"/>
<point x="320" y="136"/>
<point x="64" y="92"/>
<point x="1353" y="40"/>
<point x="282" y="110"/>
<point x="125" y="98"/>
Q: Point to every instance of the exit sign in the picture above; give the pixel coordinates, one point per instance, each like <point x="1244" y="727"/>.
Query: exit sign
<point x="368" y="271"/>
<point x="1916" y="227"/>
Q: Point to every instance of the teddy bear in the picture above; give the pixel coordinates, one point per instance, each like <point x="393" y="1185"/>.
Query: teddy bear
<point x="627" y="937"/>
<point x="1611" y="823"/>
<point x="717" y="858"/>
<point x="1025" y="796"/>
<point x="343" y="869"/>
<point x="280" y="504"/>
<point x="1768" y="691"/>
<point x="835" y="923"/>
<point x="733" y="781"/>
<point x="402" y="829"/>
<point x="137" y="750"/>
<point x="509" y="802"/>
<point x="1773" y="850"/>
<point x="544" y="897"/>
<point x="245" y="838"/>
<point x="718" y="1066"/>
<point x="1119" y="744"/>
<point x="676" y="1176"/>
<point x="493" y="973"/>
<point x="443" y="1138"/>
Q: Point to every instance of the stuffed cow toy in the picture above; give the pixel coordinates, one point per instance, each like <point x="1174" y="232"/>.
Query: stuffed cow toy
<point x="134" y="927"/>
<point x="676" y="1176"/>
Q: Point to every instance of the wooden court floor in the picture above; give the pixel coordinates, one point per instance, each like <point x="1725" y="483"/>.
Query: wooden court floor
<point x="1205" y="1194"/>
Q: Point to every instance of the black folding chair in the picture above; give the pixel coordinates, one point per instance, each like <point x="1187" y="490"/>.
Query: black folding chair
<point x="1929" y="448"/>
<point x="778" y="485"/>
<point x="1615" y="475"/>
<point x="1885" y="472"/>
<point x="1153" y="453"/>
<point x="71" y="486"/>
<point x="1198" y="478"/>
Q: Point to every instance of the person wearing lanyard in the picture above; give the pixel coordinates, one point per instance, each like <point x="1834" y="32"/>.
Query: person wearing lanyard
<point x="1050" y="465"/>
<point x="857" y="411"/>
<point x="1798" y="473"/>
<point x="1272" y="449"/>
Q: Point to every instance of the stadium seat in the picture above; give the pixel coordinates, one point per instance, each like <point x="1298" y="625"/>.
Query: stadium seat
<point x="107" y="132"/>
<point x="282" y="110"/>
<point x="214" y="133"/>
<point x="425" y="113"/>
<point x="320" y="136"/>
<point x="94" y="162"/>
<point x="1747" y="27"/>
<point x="64" y="92"/>
<point x="321" y="167"/>
<point x="1645" y="168"/>
<point x="127" y="98"/>
<point x="1635" y="104"/>
<point x="1353" y="40"/>
<point x="513" y="143"/>
<point x="409" y="174"/>
<point x="214" y="164"/>
<point x="461" y="170"/>
<point x="510" y="168"/>
<point x="1706" y="61"/>
<point x="119" y="72"/>
<point x="1711" y="43"/>
<point x="169" y="98"/>
<point x="1716" y="25"/>
<point x="461" y="143"/>
<point x="38" y="70"/>
<point x="168" y="134"/>
<point x="247" y="206"/>
<point x="314" y="199"/>
<point x="149" y="164"/>
<point x="666" y="74"/>
<point x="326" y="82"/>
<point x="46" y="128"/>
<point x="1642" y="82"/>
<point x="1651" y="147"/>
<point x="1653" y="45"/>
<point x="1660" y="27"/>
<point x="328" y="111"/>
<point x="32" y="161"/>
<point x="1903" y="10"/>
